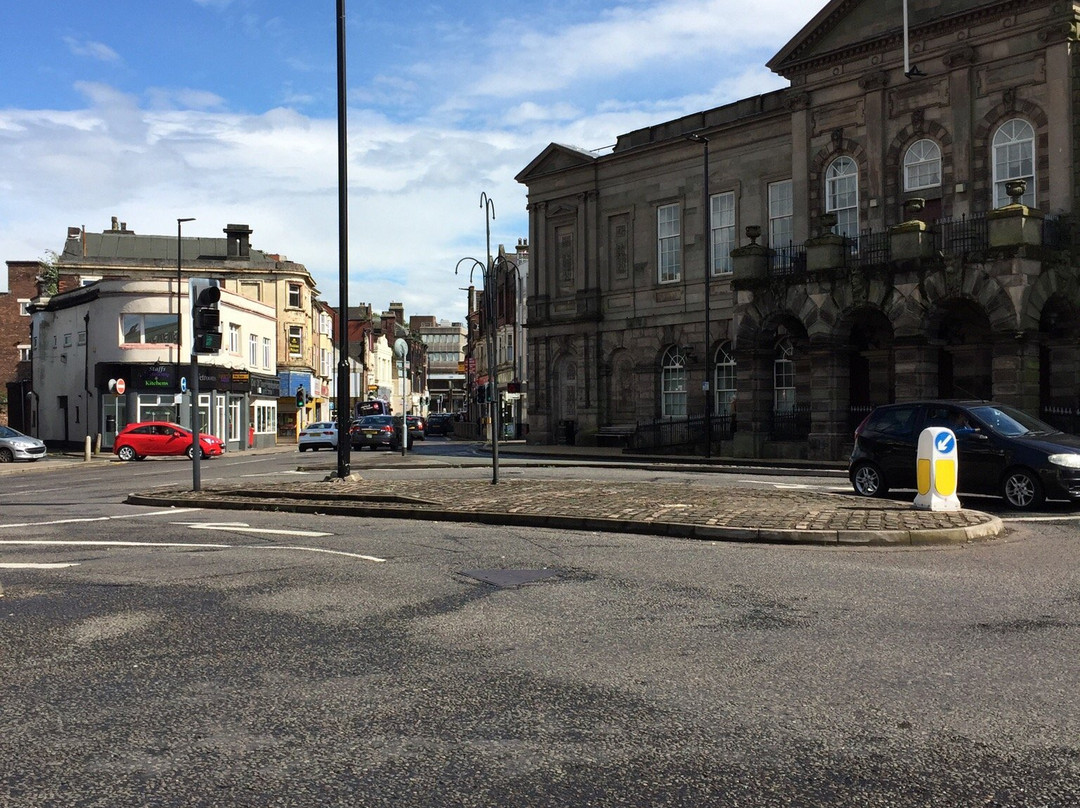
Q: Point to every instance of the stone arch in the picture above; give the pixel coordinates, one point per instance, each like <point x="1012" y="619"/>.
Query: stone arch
<point x="971" y="282"/>
<point x="621" y="405"/>
<point x="565" y="372"/>
<point x="866" y="334"/>
<point x="894" y="165"/>
<point x="982" y="141"/>
<point x="838" y="147"/>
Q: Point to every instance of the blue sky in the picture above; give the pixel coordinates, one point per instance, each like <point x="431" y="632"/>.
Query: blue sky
<point x="225" y="110"/>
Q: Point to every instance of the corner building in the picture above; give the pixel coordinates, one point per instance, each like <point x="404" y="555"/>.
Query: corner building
<point x="877" y="231"/>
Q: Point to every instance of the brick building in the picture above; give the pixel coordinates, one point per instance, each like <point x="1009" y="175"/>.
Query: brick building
<point x="15" y="343"/>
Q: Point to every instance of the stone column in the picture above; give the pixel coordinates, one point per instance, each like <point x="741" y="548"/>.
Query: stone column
<point x="916" y="364"/>
<point x="830" y="437"/>
<point x="754" y="401"/>
<point x="1016" y="371"/>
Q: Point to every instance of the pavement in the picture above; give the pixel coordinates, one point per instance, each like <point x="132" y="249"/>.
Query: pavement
<point x="693" y="510"/>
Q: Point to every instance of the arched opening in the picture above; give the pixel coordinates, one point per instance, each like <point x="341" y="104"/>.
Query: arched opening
<point x="962" y="332"/>
<point x="871" y="376"/>
<point x="1059" y="365"/>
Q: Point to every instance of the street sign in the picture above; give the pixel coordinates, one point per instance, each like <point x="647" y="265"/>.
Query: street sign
<point x="120" y="387"/>
<point x="183" y="384"/>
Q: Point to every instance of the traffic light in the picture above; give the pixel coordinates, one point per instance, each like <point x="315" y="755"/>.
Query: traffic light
<point x="481" y="394"/>
<point x="205" y="316"/>
<point x="300" y="398"/>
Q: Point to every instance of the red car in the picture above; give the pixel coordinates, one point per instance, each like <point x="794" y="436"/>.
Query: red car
<point x="162" y="438"/>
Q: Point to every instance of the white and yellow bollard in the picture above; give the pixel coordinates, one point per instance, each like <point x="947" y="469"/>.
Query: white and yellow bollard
<point x="937" y="470"/>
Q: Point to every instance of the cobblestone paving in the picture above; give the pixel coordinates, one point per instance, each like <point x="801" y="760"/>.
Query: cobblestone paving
<point x="640" y="503"/>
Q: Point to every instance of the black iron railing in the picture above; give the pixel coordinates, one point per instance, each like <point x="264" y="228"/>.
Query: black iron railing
<point x="788" y="260"/>
<point x="961" y="236"/>
<point x="666" y="433"/>
<point x="1055" y="233"/>
<point x="870" y="248"/>
<point x="1067" y="419"/>
<point x="793" y="424"/>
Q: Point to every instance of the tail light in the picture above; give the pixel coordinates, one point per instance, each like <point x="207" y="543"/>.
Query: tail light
<point x="859" y="428"/>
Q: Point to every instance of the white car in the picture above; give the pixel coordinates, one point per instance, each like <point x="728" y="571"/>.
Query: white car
<point x="320" y="435"/>
<point x="14" y="445"/>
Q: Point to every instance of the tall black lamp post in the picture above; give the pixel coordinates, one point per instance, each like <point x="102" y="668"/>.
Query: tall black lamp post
<point x="179" y="309"/>
<point x="706" y="222"/>
<point x="488" y="317"/>
<point x="343" y="408"/>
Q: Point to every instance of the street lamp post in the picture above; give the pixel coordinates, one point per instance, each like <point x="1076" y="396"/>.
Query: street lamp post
<point x="488" y="271"/>
<point x="343" y="409"/>
<point x="706" y="221"/>
<point x="179" y="310"/>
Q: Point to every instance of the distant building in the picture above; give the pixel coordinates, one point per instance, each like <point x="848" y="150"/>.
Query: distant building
<point x="445" y="343"/>
<point x="15" y="343"/>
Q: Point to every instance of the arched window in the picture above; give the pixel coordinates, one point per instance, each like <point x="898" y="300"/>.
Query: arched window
<point x="1014" y="159"/>
<point x="842" y="195"/>
<point x="724" y="380"/>
<point x="784" y="376"/>
<point x="922" y="166"/>
<point x="673" y="384"/>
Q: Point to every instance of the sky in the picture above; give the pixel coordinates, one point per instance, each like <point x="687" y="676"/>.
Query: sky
<point x="226" y="111"/>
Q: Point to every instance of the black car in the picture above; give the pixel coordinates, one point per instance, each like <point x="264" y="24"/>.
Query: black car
<point x="440" y="423"/>
<point x="376" y="431"/>
<point x="1000" y="450"/>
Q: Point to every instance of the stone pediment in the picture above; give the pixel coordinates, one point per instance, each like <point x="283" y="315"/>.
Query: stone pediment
<point x="556" y="157"/>
<point x="845" y="27"/>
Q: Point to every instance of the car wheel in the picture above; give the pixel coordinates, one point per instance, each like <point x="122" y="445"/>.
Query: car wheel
<point x="1022" y="489"/>
<point x="126" y="453"/>
<point x="868" y="481"/>
<point x="6" y="455"/>
<point x="303" y="448"/>
<point x="190" y="453"/>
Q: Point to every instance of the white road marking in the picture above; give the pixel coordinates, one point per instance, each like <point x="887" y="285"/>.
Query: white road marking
<point x="28" y="566"/>
<point x="171" y="511"/>
<point x="185" y="545"/>
<point x="243" y="527"/>
<point x="1040" y="518"/>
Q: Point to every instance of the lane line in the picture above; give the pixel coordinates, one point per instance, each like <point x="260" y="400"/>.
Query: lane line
<point x="42" y="566"/>
<point x="184" y="545"/>
<point x="243" y="527"/>
<point x="1040" y="518"/>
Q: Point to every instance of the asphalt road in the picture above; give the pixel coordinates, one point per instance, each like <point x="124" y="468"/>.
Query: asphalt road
<point x="259" y="659"/>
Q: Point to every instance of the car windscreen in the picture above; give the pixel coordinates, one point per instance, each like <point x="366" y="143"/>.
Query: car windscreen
<point x="1011" y="422"/>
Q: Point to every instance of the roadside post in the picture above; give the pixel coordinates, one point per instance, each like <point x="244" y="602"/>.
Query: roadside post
<point x="937" y="470"/>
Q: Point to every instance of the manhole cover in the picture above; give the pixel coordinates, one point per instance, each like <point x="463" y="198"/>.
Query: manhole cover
<point x="507" y="579"/>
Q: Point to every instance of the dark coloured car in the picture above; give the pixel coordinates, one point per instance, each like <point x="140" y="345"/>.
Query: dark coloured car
<point x="376" y="431"/>
<point x="440" y="423"/>
<point x="1000" y="450"/>
<point x="417" y="427"/>
<point x="162" y="439"/>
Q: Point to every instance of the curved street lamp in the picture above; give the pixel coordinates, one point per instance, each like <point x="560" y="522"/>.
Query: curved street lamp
<point x="488" y="317"/>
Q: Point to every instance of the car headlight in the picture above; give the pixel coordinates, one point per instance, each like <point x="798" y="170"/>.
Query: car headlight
<point x="1069" y="461"/>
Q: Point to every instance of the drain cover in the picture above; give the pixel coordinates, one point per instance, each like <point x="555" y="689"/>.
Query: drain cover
<point x="508" y="579"/>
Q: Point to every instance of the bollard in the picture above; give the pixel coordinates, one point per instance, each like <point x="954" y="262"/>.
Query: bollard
<point x="937" y="470"/>
<point x="86" y="450"/>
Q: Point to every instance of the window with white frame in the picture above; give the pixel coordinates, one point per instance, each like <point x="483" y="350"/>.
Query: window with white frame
<point x="266" y="356"/>
<point x="154" y="329"/>
<point x="781" y="212"/>
<point x="23" y="304"/>
<point x="67" y="340"/>
<point x="668" y="243"/>
<point x="234" y="338"/>
<point x="326" y="362"/>
<point x="253" y="350"/>
<point x="265" y="418"/>
<point x="673" y="384"/>
<point x="722" y="225"/>
<point x="233" y="427"/>
<point x="842" y="195"/>
<point x="81" y="338"/>
<point x="1014" y="159"/>
<point x="724" y="380"/>
<point x="922" y="166"/>
<point x="784" y="376"/>
<point x="294" y="295"/>
<point x="24" y="353"/>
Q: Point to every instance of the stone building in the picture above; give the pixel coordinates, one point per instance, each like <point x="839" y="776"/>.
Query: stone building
<point x="884" y="228"/>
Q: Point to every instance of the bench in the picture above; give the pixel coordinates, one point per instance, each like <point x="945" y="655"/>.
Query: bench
<point x="615" y="434"/>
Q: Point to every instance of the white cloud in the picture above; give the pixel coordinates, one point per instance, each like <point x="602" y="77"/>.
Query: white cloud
<point x="95" y="50"/>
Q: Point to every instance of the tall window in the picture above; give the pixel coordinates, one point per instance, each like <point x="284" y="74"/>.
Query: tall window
<point x="266" y="352"/>
<point x="722" y="223"/>
<point x="922" y="166"/>
<point x="294" y="295"/>
<point x="673" y="384"/>
<point x="781" y="210"/>
<point x="1014" y="159"/>
<point x="668" y="242"/>
<point x="234" y="338"/>
<point x="842" y="195"/>
<point x="296" y="340"/>
<point x="784" y="376"/>
<point x="253" y="350"/>
<point x="724" y="380"/>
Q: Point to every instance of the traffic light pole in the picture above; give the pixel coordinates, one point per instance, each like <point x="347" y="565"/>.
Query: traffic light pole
<point x="196" y="430"/>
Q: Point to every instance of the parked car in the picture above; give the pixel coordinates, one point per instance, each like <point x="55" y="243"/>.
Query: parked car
<point x="14" y="445"/>
<point x="417" y="427"/>
<point x="162" y="438"/>
<point x="320" y="435"/>
<point x="1000" y="450"/>
<point x="376" y="431"/>
<point x="439" y="423"/>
